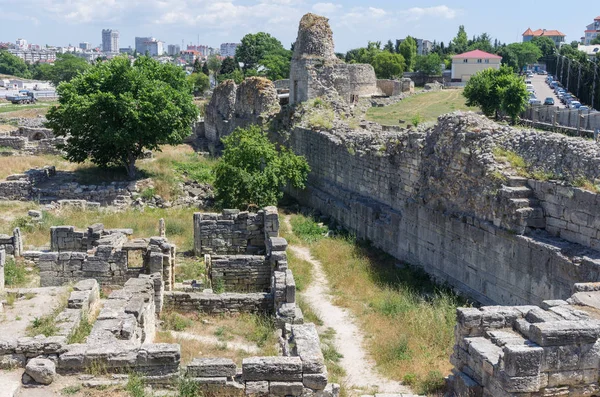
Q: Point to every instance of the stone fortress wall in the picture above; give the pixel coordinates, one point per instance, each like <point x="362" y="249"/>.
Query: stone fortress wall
<point x="32" y="141"/>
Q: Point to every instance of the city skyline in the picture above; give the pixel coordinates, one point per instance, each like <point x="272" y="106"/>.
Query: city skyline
<point x="213" y="23"/>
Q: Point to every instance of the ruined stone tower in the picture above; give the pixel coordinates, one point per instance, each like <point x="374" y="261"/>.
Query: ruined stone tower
<point x="315" y="70"/>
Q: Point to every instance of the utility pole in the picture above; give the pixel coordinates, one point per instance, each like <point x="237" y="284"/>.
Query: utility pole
<point x="568" y="73"/>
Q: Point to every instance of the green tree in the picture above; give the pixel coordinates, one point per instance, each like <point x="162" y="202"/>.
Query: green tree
<point x="229" y="65"/>
<point x="430" y="64"/>
<point x="253" y="172"/>
<point x="389" y="47"/>
<point x="513" y="95"/>
<point x="205" y="68"/>
<point x="14" y="66"/>
<point x="527" y="53"/>
<point x="460" y="43"/>
<point x="214" y="65"/>
<point x="254" y="47"/>
<point x="41" y="71"/>
<point x="66" y="67"/>
<point x="595" y="41"/>
<point x="545" y="44"/>
<point x="388" y="65"/>
<point x="482" y="42"/>
<point x="197" y="67"/>
<point x="237" y="76"/>
<point x="277" y="66"/>
<point x="495" y="90"/>
<point x="116" y="110"/>
<point x="199" y="82"/>
<point x="408" y="49"/>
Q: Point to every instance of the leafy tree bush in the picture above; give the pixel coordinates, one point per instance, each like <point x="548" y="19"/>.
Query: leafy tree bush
<point x="252" y="172"/>
<point x="229" y="65"/>
<point x="116" y="110"/>
<point x="497" y="90"/>
<point x="12" y="65"/>
<point x="408" y="49"/>
<point x="430" y="64"/>
<point x="66" y="67"/>
<point x="388" y="65"/>
<point x="199" y="82"/>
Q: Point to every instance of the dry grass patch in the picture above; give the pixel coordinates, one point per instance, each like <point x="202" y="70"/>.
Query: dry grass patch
<point x="144" y="223"/>
<point x="409" y="319"/>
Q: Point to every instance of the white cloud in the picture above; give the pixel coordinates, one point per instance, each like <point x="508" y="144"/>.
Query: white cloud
<point x="326" y="8"/>
<point x="442" y="11"/>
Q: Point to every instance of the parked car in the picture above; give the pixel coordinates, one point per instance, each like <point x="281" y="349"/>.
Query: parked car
<point x="584" y="108"/>
<point x="574" y="105"/>
<point x="535" y="101"/>
<point x="528" y="82"/>
<point x="549" y="101"/>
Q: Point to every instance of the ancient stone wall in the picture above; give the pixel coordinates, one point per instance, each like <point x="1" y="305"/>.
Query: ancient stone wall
<point x="16" y="352"/>
<point x="12" y="245"/>
<point x="430" y="198"/>
<point x="211" y="303"/>
<point x="105" y="255"/>
<point x="239" y="273"/>
<point x="518" y="350"/>
<point x="2" y="264"/>
<point x="253" y="102"/>
<point x="234" y="232"/>
<point x="395" y="87"/>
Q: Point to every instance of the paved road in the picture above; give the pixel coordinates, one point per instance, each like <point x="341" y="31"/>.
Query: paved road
<point x="543" y="90"/>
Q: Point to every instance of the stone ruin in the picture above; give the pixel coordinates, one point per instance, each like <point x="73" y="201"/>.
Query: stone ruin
<point x="26" y="140"/>
<point x="238" y="246"/>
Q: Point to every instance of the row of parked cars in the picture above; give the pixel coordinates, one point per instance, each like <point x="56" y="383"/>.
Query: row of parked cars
<point x="568" y="99"/>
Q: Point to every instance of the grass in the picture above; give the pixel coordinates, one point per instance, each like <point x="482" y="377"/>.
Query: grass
<point x="586" y="184"/>
<point x="83" y="330"/>
<point x="144" y="223"/>
<point x="173" y="321"/>
<point x="46" y="325"/>
<point x="335" y="371"/>
<point x="189" y="268"/>
<point x="16" y="108"/>
<point x="516" y="162"/>
<point x="14" y="275"/>
<point x="409" y="318"/>
<point x="428" y="107"/>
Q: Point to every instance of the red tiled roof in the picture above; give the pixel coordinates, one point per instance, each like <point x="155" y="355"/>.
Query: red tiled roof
<point x="477" y="54"/>
<point x="543" y="32"/>
<point x="528" y="32"/>
<point x="597" y="18"/>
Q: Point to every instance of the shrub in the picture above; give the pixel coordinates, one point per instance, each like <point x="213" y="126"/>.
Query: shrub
<point x="148" y="193"/>
<point x="416" y="120"/>
<point x="321" y="119"/>
<point x="253" y="172"/>
<point x="433" y="383"/>
<point x="175" y="321"/>
<point x="14" y="275"/>
<point x="135" y="386"/>
<point x="82" y="331"/>
<point x="307" y="228"/>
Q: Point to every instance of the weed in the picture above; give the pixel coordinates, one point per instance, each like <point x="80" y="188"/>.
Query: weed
<point x="175" y="227"/>
<point x="148" y="193"/>
<point x="23" y="223"/>
<point x="188" y="388"/>
<point x="70" y="390"/>
<point x="409" y="379"/>
<point x="542" y="175"/>
<point x="498" y="176"/>
<point x="264" y="328"/>
<point x="135" y="386"/>
<point x="332" y="357"/>
<point x="29" y="295"/>
<point x="11" y="298"/>
<point x="517" y="162"/>
<point x="318" y="102"/>
<point x="14" y="275"/>
<point x="433" y="383"/>
<point x="351" y="150"/>
<point x="189" y="269"/>
<point x="175" y="321"/>
<point x="96" y="368"/>
<point x="416" y="120"/>
<point x="80" y="334"/>
<point x="321" y="119"/>
<point x="302" y="271"/>
<point x="218" y="286"/>
<point x="584" y="183"/>
<point x="307" y="229"/>
<point x="43" y="326"/>
<point x="18" y="318"/>
<point x="196" y="168"/>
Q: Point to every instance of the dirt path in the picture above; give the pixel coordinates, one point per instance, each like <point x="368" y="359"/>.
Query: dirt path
<point x="349" y="340"/>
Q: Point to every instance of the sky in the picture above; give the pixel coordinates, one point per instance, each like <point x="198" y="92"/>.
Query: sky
<point x="212" y="22"/>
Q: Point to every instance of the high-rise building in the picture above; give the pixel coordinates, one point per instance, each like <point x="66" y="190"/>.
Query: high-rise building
<point x="155" y="47"/>
<point x="173" y="49"/>
<point x="85" y="46"/>
<point x="21" y="43"/>
<point x="228" y="49"/>
<point x="423" y="46"/>
<point x="140" y="44"/>
<point x="110" y="41"/>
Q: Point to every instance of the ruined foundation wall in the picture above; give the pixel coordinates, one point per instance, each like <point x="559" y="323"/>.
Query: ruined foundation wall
<point x="419" y="200"/>
<point x="240" y="273"/>
<point x="211" y="303"/>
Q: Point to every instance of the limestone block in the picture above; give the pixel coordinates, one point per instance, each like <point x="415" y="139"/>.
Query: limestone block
<point x="308" y="348"/>
<point x="315" y="381"/>
<point x="211" y="367"/>
<point x="522" y="360"/>
<point x="464" y="386"/>
<point x="520" y="384"/>
<point x="285" y="389"/>
<point x="272" y="369"/>
<point x="558" y="333"/>
<point x="277" y="244"/>
<point x="41" y="370"/>
<point x="257" y="389"/>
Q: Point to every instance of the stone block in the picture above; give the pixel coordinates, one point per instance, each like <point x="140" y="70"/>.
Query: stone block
<point x="522" y="360"/>
<point x="308" y="348"/>
<point x="315" y="381"/>
<point x="257" y="389"/>
<point x="272" y="369"/>
<point x="559" y="333"/>
<point x="464" y="386"/>
<point x="41" y="370"/>
<point x="211" y="367"/>
<point x="285" y="389"/>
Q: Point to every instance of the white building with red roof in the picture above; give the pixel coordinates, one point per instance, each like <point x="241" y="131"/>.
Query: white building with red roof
<point x="591" y="32"/>
<point x="554" y="35"/>
<point x="466" y="65"/>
